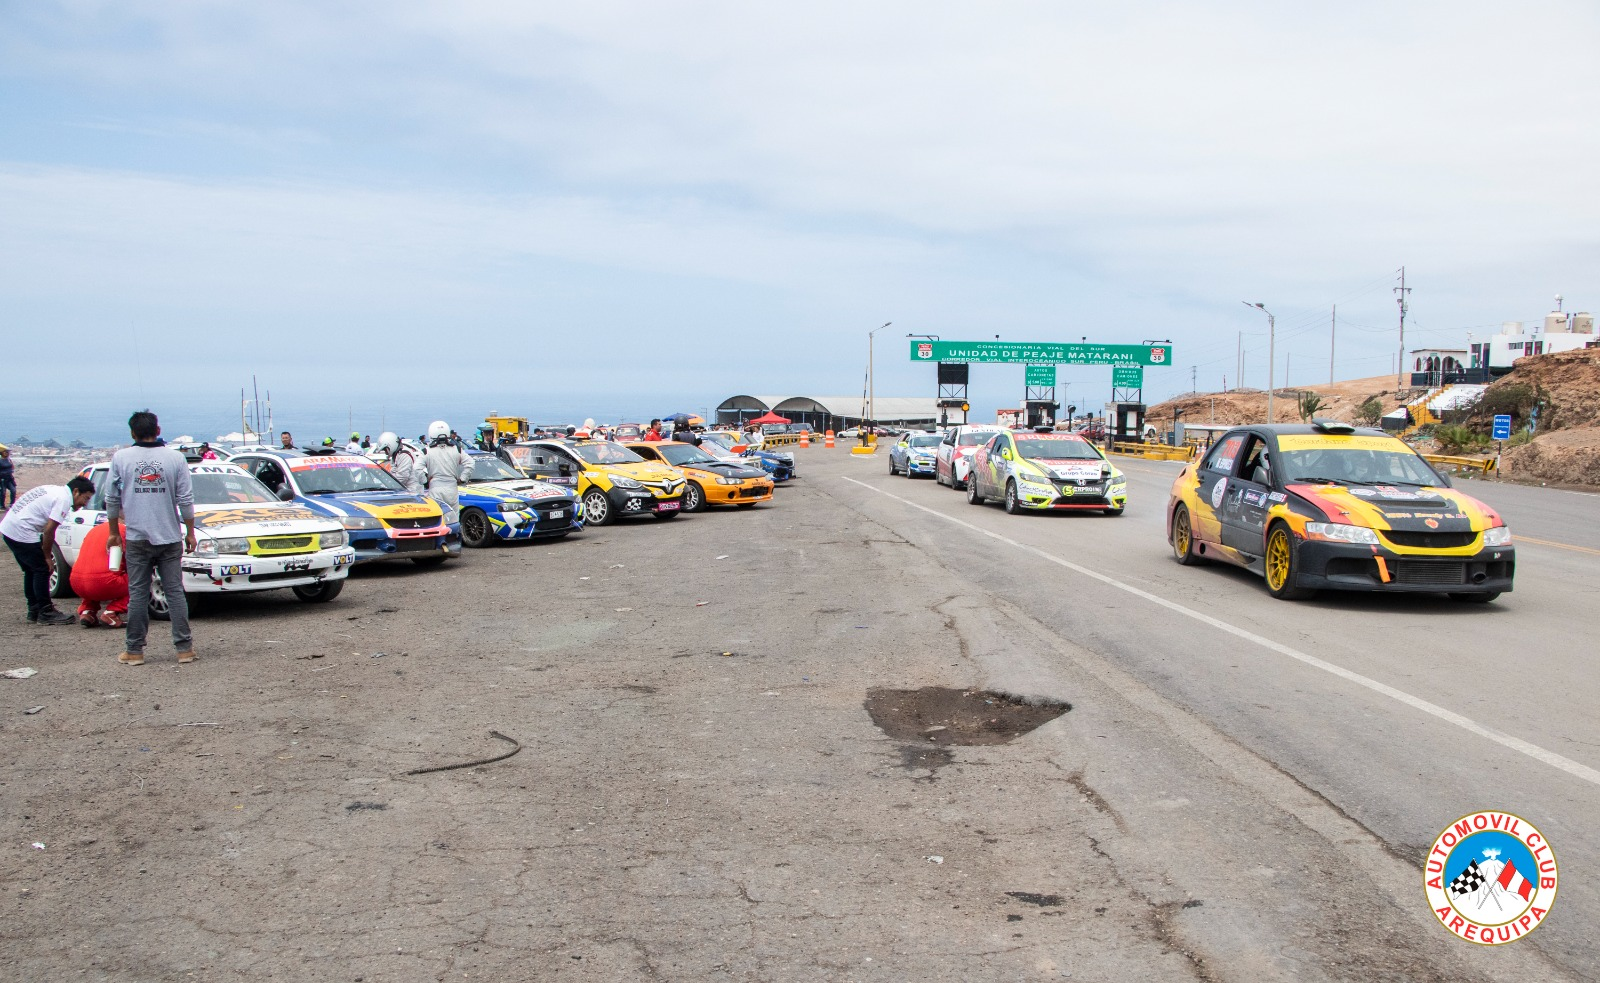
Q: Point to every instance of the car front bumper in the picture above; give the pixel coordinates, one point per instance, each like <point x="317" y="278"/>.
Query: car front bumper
<point x="921" y="465"/>
<point x="538" y="522"/>
<point x="750" y="492"/>
<point x="234" y="574"/>
<point x="403" y="544"/>
<point x="1348" y="566"/>
<point x="1065" y="498"/>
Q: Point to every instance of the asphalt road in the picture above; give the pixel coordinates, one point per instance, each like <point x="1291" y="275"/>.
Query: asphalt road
<point x="1243" y="789"/>
<point x="1521" y="667"/>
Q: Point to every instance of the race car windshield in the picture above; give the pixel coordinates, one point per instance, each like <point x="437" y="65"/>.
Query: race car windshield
<point x="925" y="440"/>
<point x="720" y="439"/>
<point x="229" y="489"/>
<point x="344" y="478"/>
<point x="973" y="439"/>
<point x="1344" y="465"/>
<point x="492" y="469"/>
<point x="685" y="454"/>
<point x="605" y="452"/>
<point x="1055" y="450"/>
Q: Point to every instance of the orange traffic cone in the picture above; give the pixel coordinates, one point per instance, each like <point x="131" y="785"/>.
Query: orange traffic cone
<point x="805" y="439"/>
<point x="827" y="439"/>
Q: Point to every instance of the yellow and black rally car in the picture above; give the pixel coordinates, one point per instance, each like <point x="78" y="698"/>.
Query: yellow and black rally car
<point x="1325" y="505"/>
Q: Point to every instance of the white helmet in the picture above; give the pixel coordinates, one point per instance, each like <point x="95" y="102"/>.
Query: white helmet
<point x="438" y="430"/>
<point x="589" y="423"/>
<point x="389" y="443"/>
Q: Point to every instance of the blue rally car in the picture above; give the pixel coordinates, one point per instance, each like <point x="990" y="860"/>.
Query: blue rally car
<point x="497" y="503"/>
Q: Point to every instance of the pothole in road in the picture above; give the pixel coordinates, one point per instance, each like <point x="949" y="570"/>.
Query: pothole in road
<point x="966" y="717"/>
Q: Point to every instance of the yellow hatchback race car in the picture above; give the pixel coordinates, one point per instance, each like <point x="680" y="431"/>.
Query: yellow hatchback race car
<point x="1045" y="471"/>
<point x="1325" y="505"/>
<point x="611" y="481"/>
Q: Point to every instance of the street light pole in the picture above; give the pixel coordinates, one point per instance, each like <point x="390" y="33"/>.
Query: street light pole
<point x="1272" y="349"/>
<point x="872" y="408"/>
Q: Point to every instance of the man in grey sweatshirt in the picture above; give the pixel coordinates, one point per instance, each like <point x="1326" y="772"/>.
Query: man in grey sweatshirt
<point x="149" y="492"/>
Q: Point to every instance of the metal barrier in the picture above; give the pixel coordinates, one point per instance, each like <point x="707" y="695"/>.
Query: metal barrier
<point x="1154" y="452"/>
<point x="1479" y="465"/>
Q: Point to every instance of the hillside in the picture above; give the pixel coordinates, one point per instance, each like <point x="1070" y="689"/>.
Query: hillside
<point x="1567" y="387"/>
<point x="1340" y="401"/>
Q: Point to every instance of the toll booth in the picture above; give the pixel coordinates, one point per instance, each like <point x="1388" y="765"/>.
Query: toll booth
<point x="1041" y="412"/>
<point x="1127" y="422"/>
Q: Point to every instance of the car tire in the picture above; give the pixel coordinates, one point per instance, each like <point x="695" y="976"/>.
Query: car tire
<point x="973" y="497"/>
<point x="60" y="573"/>
<point x="694" y="498"/>
<point x="1013" y="507"/>
<point x="1183" y="538"/>
<point x="892" y="469"/>
<point x="476" y="530"/>
<point x="1281" y="561"/>
<point x="159" y="609"/>
<point x="319" y="593"/>
<point x="1475" y="598"/>
<point x="597" y="509"/>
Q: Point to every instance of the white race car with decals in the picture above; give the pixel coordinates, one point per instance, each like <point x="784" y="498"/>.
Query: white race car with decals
<point x="1047" y="471"/>
<point x="246" y="539"/>
<point x="953" y="461"/>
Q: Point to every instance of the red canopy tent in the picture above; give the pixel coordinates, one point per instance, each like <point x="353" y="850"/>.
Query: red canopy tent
<point x="770" y="417"/>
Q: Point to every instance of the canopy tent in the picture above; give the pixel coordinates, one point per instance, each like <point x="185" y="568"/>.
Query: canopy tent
<point x="770" y="417"/>
<point x="692" y="419"/>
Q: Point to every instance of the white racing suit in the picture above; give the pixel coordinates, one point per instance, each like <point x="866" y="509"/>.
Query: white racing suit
<point x="446" y="467"/>
<point x="407" y="469"/>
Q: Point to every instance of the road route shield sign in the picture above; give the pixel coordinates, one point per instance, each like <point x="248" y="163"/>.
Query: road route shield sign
<point x="1502" y="427"/>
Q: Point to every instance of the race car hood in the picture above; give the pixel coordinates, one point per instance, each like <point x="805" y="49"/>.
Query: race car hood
<point x="725" y="469"/>
<point x="782" y="456"/>
<point x="1402" y="507"/>
<point x="1069" y="468"/>
<point x="260" y="520"/>
<point x="528" y="491"/>
<point x="378" y="504"/>
<point x="647" y="471"/>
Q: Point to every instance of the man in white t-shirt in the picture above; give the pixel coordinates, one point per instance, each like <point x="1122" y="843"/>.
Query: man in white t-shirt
<point x="30" y="530"/>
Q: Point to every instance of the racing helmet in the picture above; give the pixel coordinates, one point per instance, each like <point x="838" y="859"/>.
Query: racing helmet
<point x="438" y="430"/>
<point x="388" y="442"/>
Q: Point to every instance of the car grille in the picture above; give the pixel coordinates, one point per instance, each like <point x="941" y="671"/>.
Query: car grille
<point x="426" y="544"/>
<point x="563" y="504"/>
<point x="753" y="491"/>
<point x="284" y="544"/>
<point x="267" y="578"/>
<point x="411" y="523"/>
<point x="1430" y="540"/>
<point x="664" y="487"/>
<point x="1442" y="574"/>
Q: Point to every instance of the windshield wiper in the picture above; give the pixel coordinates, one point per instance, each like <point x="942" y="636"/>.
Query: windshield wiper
<point x="1330" y="481"/>
<point x="323" y="491"/>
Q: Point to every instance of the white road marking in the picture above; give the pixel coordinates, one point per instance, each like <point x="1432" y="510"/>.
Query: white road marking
<point x="1534" y="751"/>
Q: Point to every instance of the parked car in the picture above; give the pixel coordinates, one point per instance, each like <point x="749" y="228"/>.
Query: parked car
<point x="610" y="480"/>
<point x="711" y="481"/>
<point x="498" y="502"/>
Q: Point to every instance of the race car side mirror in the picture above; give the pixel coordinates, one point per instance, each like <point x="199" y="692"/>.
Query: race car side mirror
<point x="1005" y="452"/>
<point x="285" y="494"/>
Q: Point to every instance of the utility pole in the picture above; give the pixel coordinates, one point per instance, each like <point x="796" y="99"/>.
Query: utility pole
<point x="1400" y="358"/>
<point x="1333" y="330"/>
<point x="1238" y="360"/>
<point x="1272" y="350"/>
<point x="1194" y="386"/>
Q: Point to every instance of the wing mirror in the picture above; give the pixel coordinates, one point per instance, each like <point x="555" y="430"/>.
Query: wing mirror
<point x="285" y="494"/>
<point x="1005" y="452"/>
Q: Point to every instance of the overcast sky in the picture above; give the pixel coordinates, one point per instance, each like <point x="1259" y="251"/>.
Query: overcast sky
<point x="699" y="199"/>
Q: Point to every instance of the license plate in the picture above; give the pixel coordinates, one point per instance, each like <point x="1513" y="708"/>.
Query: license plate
<point x="558" y="514"/>
<point x="668" y="506"/>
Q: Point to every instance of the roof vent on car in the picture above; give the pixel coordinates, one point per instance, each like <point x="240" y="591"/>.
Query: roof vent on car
<point x="1332" y="426"/>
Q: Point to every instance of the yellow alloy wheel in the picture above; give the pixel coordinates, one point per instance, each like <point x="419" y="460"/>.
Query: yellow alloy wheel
<point x="1180" y="532"/>
<point x="1278" y="559"/>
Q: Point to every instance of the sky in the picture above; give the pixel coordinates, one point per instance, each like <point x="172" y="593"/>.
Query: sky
<point x="617" y="208"/>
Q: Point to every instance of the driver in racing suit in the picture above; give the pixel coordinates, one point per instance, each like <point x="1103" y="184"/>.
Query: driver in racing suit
<point x="403" y="463"/>
<point x="445" y="466"/>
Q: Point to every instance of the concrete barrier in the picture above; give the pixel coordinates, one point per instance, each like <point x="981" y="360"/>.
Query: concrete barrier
<point x="1154" y="452"/>
<point x="1478" y="465"/>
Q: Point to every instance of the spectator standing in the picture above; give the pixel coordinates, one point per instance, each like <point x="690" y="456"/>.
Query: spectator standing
<point x="206" y="453"/>
<point x="366" y="442"/>
<point x="30" y="531"/>
<point x="8" y="478"/>
<point x="286" y="441"/>
<point x="354" y="445"/>
<point x="654" y="433"/>
<point x="97" y="584"/>
<point x="146" y="495"/>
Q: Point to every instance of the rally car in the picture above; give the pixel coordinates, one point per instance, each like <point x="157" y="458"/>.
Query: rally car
<point x="954" y="458"/>
<point x="778" y="464"/>
<point x="246" y="540"/>
<point x="383" y="519"/>
<point x="914" y="453"/>
<point x="610" y="480"/>
<point x="1047" y="471"/>
<point x="1326" y="505"/>
<point x="711" y="481"/>
<point x="497" y="503"/>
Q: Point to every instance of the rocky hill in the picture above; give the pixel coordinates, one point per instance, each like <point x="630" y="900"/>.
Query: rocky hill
<point x="1340" y="402"/>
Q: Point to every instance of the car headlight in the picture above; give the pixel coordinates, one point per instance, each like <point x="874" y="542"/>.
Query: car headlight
<point x="514" y="505"/>
<point x="729" y="481"/>
<point x="1030" y="478"/>
<point x="224" y="546"/>
<point x="333" y="540"/>
<point x="1340" y="532"/>
<point x="360" y="522"/>
<point x="624" y="482"/>
<point x="204" y="545"/>
<point x="1498" y="536"/>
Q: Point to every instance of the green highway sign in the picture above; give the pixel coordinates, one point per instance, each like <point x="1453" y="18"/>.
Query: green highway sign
<point x="1036" y="353"/>
<point x="1039" y="376"/>
<point x="1127" y="377"/>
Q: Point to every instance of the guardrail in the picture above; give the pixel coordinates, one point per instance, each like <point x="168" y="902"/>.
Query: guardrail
<point x="1479" y="465"/>
<point x="1154" y="452"/>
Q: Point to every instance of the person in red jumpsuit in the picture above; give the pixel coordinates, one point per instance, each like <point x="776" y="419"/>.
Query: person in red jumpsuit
<point x="97" y="584"/>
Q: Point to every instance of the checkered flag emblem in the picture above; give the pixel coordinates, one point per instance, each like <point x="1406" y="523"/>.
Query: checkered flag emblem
<point x="1468" y="880"/>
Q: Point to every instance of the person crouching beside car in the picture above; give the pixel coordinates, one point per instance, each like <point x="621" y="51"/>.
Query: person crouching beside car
<point x="102" y="591"/>
<point x="30" y="530"/>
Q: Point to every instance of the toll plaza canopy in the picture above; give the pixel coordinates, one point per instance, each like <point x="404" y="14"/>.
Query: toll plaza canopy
<point x="828" y="412"/>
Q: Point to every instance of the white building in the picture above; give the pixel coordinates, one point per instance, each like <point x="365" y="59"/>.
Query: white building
<point x="1559" y="332"/>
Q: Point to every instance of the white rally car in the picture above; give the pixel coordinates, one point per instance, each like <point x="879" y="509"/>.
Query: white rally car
<point x="954" y="461"/>
<point x="246" y="540"/>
